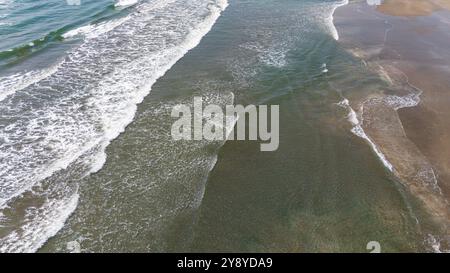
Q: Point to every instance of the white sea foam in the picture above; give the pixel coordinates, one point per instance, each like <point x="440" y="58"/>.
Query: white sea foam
<point x="125" y="3"/>
<point x="95" y="30"/>
<point x="73" y="247"/>
<point x="71" y="115"/>
<point x="435" y="243"/>
<point x="398" y="102"/>
<point x="47" y="221"/>
<point x="324" y="68"/>
<point x="271" y="55"/>
<point x="92" y="31"/>
<point x="359" y="131"/>
<point x="12" y="83"/>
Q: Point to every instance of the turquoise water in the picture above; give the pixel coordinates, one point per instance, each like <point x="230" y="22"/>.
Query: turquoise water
<point x="88" y="163"/>
<point x="26" y="26"/>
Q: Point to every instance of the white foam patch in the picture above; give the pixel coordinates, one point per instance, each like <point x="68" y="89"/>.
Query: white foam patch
<point x="44" y="223"/>
<point x="434" y="242"/>
<point x="10" y="84"/>
<point x="324" y="68"/>
<point x="125" y="3"/>
<point x="92" y="31"/>
<point x="398" y="102"/>
<point x="6" y="24"/>
<point x="271" y="56"/>
<point x="73" y="247"/>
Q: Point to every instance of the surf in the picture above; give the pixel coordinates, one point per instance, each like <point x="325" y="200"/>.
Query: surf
<point x="68" y="118"/>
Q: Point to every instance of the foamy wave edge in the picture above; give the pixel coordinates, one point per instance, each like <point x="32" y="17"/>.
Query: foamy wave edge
<point x="125" y="3"/>
<point x="331" y="25"/>
<point x="359" y="131"/>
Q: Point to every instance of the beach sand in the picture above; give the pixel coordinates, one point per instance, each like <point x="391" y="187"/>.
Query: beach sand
<point x="406" y="43"/>
<point x="412" y="7"/>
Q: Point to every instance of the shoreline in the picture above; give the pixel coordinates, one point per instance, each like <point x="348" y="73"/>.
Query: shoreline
<point x="395" y="49"/>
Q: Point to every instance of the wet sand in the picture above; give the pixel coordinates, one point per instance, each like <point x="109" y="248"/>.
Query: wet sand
<point x="406" y="43"/>
<point x="412" y="7"/>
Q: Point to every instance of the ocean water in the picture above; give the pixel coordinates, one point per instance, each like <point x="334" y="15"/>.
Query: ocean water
<point x="88" y="163"/>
